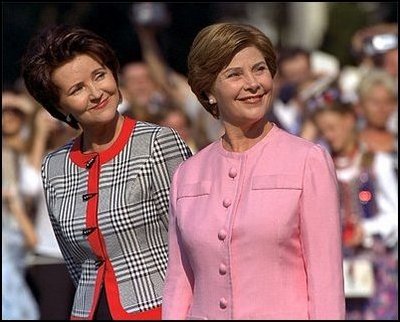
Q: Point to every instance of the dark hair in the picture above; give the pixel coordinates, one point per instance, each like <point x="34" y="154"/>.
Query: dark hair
<point x="213" y="49"/>
<point x="53" y="47"/>
<point x="337" y="107"/>
<point x="287" y="54"/>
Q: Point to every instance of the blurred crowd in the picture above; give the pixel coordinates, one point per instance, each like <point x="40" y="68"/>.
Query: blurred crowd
<point x="351" y="110"/>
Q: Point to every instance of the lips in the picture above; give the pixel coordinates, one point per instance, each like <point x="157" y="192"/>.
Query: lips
<point x="252" y="99"/>
<point x="102" y="104"/>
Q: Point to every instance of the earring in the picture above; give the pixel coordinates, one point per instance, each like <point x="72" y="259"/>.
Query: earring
<point x="212" y="101"/>
<point x="120" y="97"/>
<point x="68" y="118"/>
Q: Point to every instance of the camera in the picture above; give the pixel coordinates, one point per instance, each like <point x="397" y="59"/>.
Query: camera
<point x="150" y="14"/>
<point x="379" y="44"/>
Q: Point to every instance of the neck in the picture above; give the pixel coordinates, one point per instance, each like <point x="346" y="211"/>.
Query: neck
<point x="349" y="150"/>
<point x="240" y="139"/>
<point x="99" y="138"/>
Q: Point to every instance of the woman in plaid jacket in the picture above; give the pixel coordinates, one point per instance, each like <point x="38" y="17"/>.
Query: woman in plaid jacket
<point x="106" y="190"/>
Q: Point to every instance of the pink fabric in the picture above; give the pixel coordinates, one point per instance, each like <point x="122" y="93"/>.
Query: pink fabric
<point x="255" y="235"/>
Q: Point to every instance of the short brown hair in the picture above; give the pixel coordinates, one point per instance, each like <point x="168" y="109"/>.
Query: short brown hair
<point x="213" y="49"/>
<point x="53" y="47"/>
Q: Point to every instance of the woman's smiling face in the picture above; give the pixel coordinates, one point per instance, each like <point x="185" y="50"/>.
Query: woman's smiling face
<point x="243" y="90"/>
<point x="87" y="90"/>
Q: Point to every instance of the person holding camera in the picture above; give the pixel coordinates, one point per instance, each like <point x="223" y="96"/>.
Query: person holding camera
<point x="106" y="190"/>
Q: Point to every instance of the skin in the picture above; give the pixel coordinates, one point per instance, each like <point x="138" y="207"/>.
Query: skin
<point x="89" y="92"/>
<point x="391" y="62"/>
<point x="243" y="92"/>
<point x="377" y="106"/>
<point x="296" y="70"/>
<point x="337" y="130"/>
<point x="138" y="85"/>
<point x="12" y="122"/>
<point x="177" y="121"/>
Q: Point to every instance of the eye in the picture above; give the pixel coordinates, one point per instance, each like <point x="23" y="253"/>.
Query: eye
<point x="261" y="69"/>
<point x="76" y="90"/>
<point x="100" y="75"/>
<point x="232" y="74"/>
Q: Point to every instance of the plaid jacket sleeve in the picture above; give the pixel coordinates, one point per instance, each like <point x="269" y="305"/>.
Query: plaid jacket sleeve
<point x="168" y="152"/>
<point x="73" y="268"/>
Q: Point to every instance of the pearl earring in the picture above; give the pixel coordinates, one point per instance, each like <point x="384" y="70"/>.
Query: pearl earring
<point x="212" y="101"/>
<point x="68" y="118"/>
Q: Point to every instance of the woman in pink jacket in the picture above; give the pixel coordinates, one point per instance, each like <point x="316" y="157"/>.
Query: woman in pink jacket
<point x="254" y="229"/>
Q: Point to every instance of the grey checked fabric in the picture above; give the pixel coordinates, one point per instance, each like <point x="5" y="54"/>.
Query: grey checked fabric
<point x="132" y="214"/>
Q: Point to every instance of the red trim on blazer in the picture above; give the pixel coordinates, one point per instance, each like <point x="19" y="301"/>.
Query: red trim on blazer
<point x="116" y="310"/>
<point x="93" y="161"/>
<point x="81" y="159"/>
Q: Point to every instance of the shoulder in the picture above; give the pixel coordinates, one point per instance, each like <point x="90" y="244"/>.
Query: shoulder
<point x="291" y="140"/>
<point x="61" y="153"/>
<point x="295" y="145"/>
<point x="156" y="137"/>
<point x="53" y="161"/>
<point x="143" y="129"/>
<point x="201" y="158"/>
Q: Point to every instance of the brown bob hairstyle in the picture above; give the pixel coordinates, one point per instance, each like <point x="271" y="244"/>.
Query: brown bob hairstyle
<point x="50" y="49"/>
<point x="213" y="49"/>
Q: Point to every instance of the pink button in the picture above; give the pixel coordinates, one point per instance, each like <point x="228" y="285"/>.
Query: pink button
<point x="227" y="202"/>
<point x="222" y="234"/>
<point x="222" y="269"/>
<point x="232" y="173"/>
<point x="223" y="303"/>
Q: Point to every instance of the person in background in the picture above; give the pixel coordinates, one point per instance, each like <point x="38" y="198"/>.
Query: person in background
<point x="369" y="206"/>
<point x="377" y="94"/>
<point x="106" y="190"/>
<point x="373" y="47"/>
<point x="16" y="111"/>
<point x="174" y="85"/>
<point x="178" y="120"/>
<point x="143" y="99"/>
<point x="254" y="217"/>
<point x="47" y="272"/>
<point x="18" y="238"/>
<point x="18" y="234"/>
<point x="376" y="46"/>
<point x="294" y="69"/>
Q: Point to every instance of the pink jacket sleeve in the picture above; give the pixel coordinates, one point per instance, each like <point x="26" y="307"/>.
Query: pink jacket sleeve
<point x="177" y="292"/>
<point x="321" y="237"/>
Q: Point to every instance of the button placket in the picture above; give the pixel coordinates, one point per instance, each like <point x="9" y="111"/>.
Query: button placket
<point x="88" y="196"/>
<point x="227" y="202"/>
<point x="232" y="172"/>
<point x="222" y="269"/>
<point x="222" y="234"/>
<point x="89" y="163"/>
<point x="98" y="263"/>
<point x="87" y="231"/>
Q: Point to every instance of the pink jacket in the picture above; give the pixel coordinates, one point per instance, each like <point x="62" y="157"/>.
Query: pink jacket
<point x="255" y="235"/>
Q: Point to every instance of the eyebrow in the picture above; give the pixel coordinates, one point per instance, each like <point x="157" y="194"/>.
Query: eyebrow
<point x="239" y="68"/>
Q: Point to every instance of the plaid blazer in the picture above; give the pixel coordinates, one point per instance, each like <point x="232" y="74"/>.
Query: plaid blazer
<point x="109" y="212"/>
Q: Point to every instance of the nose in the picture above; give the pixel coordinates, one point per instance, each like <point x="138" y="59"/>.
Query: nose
<point x="251" y="83"/>
<point x="94" y="92"/>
